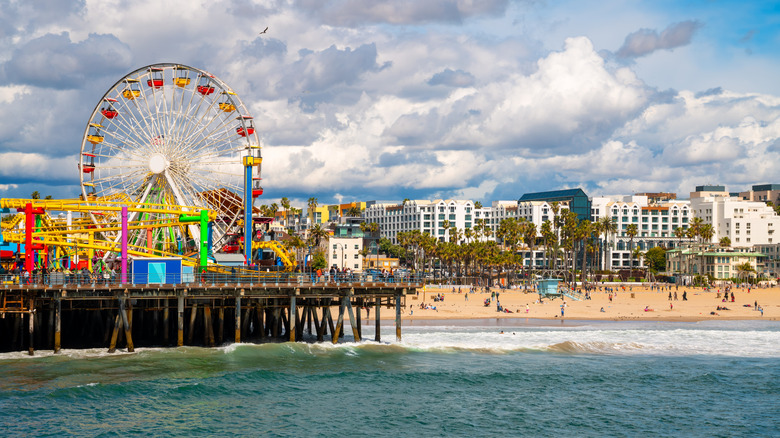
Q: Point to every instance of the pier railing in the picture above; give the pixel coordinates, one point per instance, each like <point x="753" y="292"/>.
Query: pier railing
<point x="84" y="278"/>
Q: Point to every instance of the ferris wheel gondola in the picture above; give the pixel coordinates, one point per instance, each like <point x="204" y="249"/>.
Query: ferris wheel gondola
<point x="171" y="142"/>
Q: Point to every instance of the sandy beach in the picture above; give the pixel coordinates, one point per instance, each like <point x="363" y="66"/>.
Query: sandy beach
<point x="698" y="307"/>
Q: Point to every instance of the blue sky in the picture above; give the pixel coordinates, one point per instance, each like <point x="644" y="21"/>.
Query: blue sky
<point x="366" y="99"/>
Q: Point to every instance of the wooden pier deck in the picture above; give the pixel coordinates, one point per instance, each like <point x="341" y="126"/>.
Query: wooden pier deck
<point x="95" y="315"/>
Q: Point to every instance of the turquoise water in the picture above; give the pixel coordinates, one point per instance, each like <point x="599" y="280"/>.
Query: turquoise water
<point x="595" y="379"/>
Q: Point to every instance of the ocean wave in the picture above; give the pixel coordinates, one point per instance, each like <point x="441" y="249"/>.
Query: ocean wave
<point x="743" y="340"/>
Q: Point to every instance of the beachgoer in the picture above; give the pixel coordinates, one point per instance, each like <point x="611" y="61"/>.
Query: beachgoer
<point x="527" y="309"/>
<point x="561" y="311"/>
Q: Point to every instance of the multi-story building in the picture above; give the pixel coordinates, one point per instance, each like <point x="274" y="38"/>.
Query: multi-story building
<point x="745" y="223"/>
<point x="771" y="261"/>
<point x="539" y="212"/>
<point x="576" y="200"/>
<point x="763" y="192"/>
<point x="425" y="216"/>
<point x="656" y="224"/>
<point x="720" y="263"/>
<point x="345" y="252"/>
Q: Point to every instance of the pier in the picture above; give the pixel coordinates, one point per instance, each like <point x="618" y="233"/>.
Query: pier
<point x="208" y="312"/>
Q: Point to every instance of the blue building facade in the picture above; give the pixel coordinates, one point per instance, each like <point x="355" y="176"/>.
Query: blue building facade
<point x="578" y="201"/>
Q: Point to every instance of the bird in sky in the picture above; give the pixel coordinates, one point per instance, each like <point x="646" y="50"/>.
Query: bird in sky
<point x="266" y="30"/>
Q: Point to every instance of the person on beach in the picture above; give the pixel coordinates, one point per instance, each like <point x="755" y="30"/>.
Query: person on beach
<point x="527" y="309"/>
<point x="675" y="295"/>
<point x="670" y="296"/>
<point x="561" y="311"/>
<point x="685" y="296"/>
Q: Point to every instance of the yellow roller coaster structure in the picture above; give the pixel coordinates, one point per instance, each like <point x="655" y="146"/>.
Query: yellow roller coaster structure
<point x="86" y="236"/>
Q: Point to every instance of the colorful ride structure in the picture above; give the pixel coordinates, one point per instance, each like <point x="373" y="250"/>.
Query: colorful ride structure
<point x="185" y="138"/>
<point x="169" y="166"/>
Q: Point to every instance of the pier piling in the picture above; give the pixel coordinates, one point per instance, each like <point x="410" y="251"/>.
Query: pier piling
<point x="238" y="319"/>
<point x="180" y="321"/>
<point x="378" y="305"/>
<point x="398" y="318"/>
<point x="57" y="324"/>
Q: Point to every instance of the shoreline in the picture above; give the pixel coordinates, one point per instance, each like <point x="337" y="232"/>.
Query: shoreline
<point x="628" y="305"/>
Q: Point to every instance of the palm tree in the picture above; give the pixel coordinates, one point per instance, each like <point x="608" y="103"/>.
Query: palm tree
<point x="456" y="235"/>
<point x="679" y="233"/>
<point x="285" y="203"/>
<point x="744" y="269"/>
<point x="477" y="204"/>
<point x="706" y="232"/>
<point x="608" y="226"/>
<point x="695" y="227"/>
<point x="312" y="203"/>
<point x="584" y="231"/>
<point x="446" y="226"/>
<point x="725" y="241"/>
<point x="354" y="211"/>
<point x="317" y="234"/>
<point x="35" y="195"/>
<point x="528" y="233"/>
<point x="631" y="231"/>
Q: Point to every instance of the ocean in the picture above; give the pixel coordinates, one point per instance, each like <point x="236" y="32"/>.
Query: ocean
<point x="458" y="378"/>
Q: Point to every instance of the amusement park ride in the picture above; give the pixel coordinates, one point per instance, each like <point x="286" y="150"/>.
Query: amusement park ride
<point x="167" y="167"/>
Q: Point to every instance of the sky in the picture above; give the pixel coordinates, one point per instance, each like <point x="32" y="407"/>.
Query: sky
<point x="386" y="100"/>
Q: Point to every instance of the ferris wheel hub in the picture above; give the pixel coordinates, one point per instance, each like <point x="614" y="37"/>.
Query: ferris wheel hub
<point x="158" y="163"/>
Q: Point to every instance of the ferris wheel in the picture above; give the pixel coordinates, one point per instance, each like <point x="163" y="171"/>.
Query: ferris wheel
<point x="170" y="134"/>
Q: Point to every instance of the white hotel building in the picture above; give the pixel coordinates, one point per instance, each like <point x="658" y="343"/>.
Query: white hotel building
<point x="655" y="225"/>
<point x="423" y="215"/>
<point x="745" y="223"/>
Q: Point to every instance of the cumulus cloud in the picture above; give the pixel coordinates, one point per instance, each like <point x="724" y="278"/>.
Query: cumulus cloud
<point x="646" y="41"/>
<point x="572" y="102"/>
<point x="53" y="61"/>
<point x="352" y="13"/>
<point x="452" y="78"/>
<point x="361" y="99"/>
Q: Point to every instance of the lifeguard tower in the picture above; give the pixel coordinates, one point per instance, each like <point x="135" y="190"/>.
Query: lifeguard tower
<point x="548" y="288"/>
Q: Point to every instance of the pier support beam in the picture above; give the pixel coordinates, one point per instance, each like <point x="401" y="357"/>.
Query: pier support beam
<point x="377" y="335"/>
<point x="126" y="324"/>
<point x="31" y="320"/>
<point x="221" y="322"/>
<point x="180" y="321"/>
<point x="193" y="315"/>
<point x="398" y="317"/>
<point x="166" y="321"/>
<point x="340" y="323"/>
<point x="355" y="329"/>
<point x="115" y="334"/>
<point x="208" y="335"/>
<point x="57" y="324"/>
<point x="238" y="319"/>
<point x="293" y="318"/>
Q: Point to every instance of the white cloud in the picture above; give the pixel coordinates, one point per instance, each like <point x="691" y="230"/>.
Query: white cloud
<point x="365" y="99"/>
